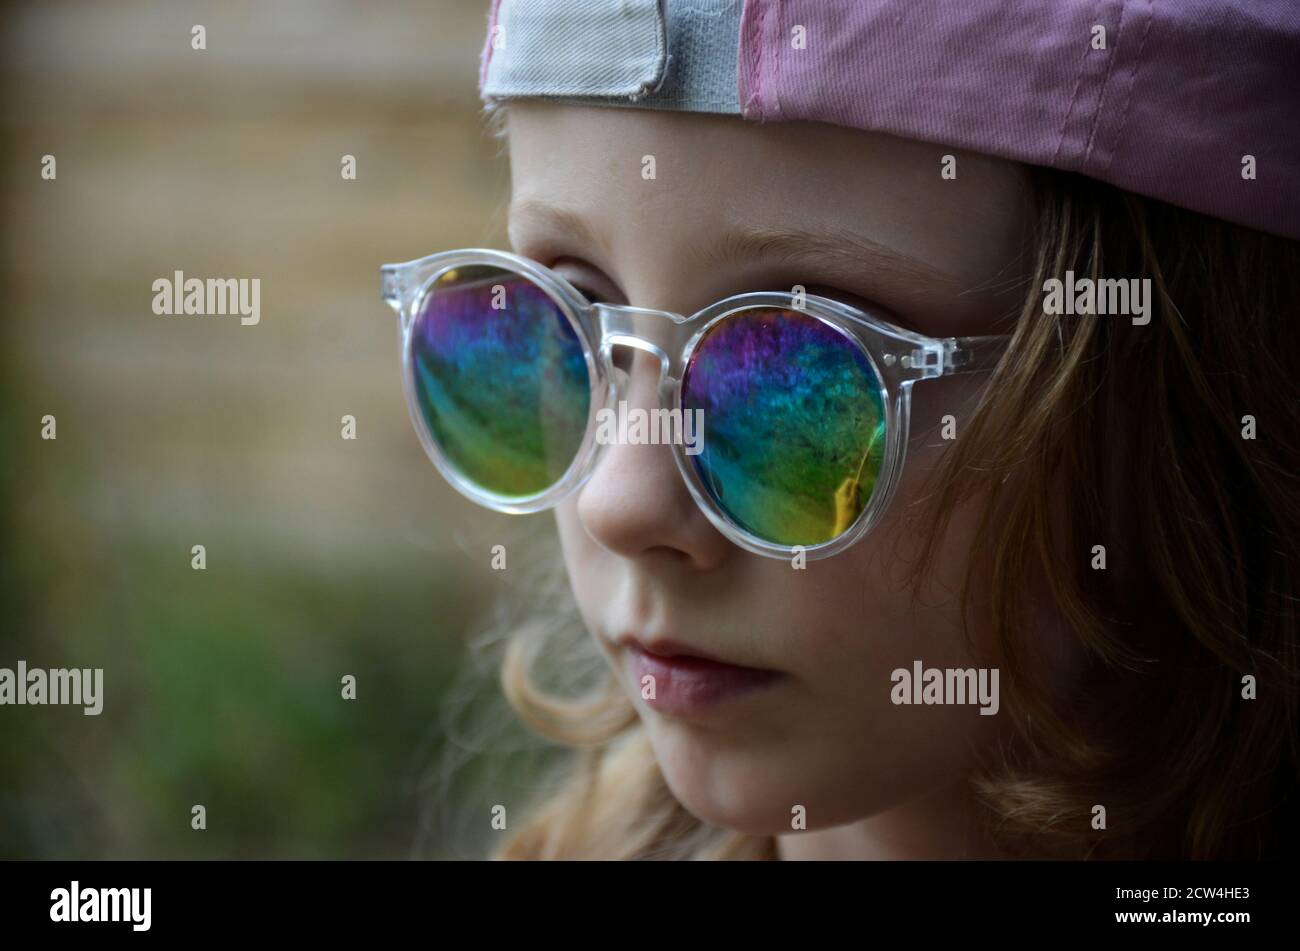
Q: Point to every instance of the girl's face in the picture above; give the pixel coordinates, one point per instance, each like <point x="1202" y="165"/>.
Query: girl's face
<point x="734" y="207"/>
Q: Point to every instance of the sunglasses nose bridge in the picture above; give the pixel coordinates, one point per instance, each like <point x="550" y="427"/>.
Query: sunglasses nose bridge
<point x="660" y="333"/>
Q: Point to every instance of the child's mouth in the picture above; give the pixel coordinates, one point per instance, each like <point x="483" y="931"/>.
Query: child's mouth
<point x="678" y="681"/>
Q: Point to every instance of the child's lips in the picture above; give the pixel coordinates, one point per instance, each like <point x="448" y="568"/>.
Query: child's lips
<point x="683" y="681"/>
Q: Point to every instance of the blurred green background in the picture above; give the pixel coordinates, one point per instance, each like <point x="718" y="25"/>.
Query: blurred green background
<point x="325" y="557"/>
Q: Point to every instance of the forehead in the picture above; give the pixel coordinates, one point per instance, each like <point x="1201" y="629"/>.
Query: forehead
<point x="648" y="186"/>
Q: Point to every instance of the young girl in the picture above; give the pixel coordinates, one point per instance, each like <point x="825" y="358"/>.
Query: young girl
<point x="989" y="550"/>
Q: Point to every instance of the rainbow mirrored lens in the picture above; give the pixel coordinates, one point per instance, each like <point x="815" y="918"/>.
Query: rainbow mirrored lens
<point x="794" y="424"/>
<point x="501" y="379"/>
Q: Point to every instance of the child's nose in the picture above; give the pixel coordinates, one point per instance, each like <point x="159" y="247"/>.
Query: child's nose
<point x="636" y="503"/>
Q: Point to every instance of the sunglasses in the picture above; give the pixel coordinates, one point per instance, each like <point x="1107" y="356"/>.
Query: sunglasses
<point x="805" y="401"/>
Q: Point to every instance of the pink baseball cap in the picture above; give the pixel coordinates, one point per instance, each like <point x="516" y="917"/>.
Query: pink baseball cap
<point x="1193" y="102"/>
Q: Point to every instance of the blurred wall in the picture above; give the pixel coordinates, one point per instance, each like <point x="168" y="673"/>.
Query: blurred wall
<point x="325" y="557"/>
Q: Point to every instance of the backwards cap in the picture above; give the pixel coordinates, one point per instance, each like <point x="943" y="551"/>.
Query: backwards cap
<point x="1194" y="102"/>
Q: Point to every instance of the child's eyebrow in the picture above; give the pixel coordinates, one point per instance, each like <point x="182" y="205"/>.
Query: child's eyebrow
<point x="843" y="256"/>
<point x="550" y="217"/>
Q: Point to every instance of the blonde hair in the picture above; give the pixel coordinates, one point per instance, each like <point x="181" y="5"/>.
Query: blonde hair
<point x="1140" y="428"/>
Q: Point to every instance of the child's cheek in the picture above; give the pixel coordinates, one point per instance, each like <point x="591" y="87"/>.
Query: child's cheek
<point x="582" y="562"/>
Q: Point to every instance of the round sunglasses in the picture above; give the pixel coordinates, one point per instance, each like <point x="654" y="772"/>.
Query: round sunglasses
<point x="804" y="401"/>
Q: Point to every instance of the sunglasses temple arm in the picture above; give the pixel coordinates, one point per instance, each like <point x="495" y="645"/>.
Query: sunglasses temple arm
<point x="973" y="354"/>
<point x="392" y="286"/>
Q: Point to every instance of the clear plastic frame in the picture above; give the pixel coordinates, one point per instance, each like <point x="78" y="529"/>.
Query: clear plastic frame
<point x="899" y="357"/>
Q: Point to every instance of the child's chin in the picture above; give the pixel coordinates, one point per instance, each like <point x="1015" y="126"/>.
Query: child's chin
<point x="750" y="791"/>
